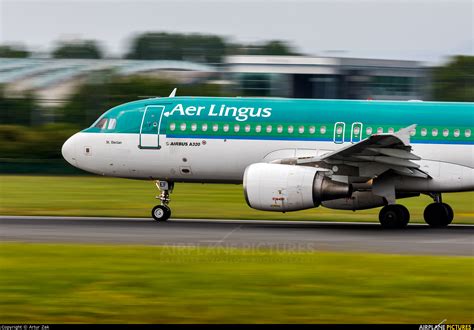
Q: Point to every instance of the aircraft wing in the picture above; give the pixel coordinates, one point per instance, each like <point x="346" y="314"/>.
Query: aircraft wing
<point x="369" y="158"/>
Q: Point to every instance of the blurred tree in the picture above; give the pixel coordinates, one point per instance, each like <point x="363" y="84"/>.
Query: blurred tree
<point x="94" y="98"/>
<point x="42" y="142"/>
<point x="274" y="47"/>
<point x="16" y="110"/>
<point x="175" y="46"/>
<point x="198" y="47"/>
<point x="13" y="51"/>
<point x="455" y="80"/>
<point x="78" y="49"/>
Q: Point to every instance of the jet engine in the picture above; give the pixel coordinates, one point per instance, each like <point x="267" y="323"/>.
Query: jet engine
<point x="282" y="188"/>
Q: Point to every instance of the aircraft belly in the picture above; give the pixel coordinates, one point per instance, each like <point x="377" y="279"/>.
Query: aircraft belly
<point x="218" y="160"/>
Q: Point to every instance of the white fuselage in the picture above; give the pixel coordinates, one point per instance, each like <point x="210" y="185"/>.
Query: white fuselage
<point x="450" y="166"/>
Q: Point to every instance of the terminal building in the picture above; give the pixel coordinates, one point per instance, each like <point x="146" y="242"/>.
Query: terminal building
<point x="275" y="76"/>
<point x="327" y="77"/>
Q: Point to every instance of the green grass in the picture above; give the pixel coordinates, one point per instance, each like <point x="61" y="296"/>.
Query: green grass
<point x="46" y="283"/>
<point x="99" y="196"/>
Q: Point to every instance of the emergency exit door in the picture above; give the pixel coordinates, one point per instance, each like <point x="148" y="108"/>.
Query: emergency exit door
<point x="356" y="132"/>
<point x="339" y="129"/>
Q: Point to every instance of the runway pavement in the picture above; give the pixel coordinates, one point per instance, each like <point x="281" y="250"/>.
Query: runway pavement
<point x="253" y="234"/>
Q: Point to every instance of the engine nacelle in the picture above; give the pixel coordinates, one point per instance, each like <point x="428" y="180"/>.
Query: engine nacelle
<point x="282" y="188"/>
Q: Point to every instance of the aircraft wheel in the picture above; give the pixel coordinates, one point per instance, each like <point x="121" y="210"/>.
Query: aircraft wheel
<point x="394" y="216"/>
<point x="161" y="213"/>
<point x="438" y="214"/>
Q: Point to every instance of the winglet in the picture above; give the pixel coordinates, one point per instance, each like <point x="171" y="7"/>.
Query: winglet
<point x="173" y="93"/>
<point x="404" y="134"/>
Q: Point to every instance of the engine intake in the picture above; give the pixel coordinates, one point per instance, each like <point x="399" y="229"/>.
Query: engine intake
<point x="282" y="188"/>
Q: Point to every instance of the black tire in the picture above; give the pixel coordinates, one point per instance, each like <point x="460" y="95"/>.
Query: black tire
<point x="438" y="215"/>
<point x="406" y="214"/>
<point x="394" y="216"/>
<point x="161" y="213"/>
<point x="450" y="212"/>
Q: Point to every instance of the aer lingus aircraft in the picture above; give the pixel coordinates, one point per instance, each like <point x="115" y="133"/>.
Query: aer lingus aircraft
<point x="290" y="154"/>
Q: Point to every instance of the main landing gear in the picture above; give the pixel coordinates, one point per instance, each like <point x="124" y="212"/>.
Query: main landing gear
<point x="394" y="216"/>
<point x="438" y="214"/>
<point x="162" y="212"/>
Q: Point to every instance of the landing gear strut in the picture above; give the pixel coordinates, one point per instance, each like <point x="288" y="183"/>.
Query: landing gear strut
<point x="394" y="216"/>
<point x="438" y="214"/>
<point x="162" y="212"/>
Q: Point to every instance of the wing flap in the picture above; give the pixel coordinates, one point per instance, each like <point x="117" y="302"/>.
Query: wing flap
<point x="370" y="157"/>
<point x="389" y="161"/>
<point x="398" y="153"/>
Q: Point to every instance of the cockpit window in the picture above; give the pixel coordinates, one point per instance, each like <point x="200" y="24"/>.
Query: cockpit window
<point x="101" y="123"/>
<point x="112" y="123"/>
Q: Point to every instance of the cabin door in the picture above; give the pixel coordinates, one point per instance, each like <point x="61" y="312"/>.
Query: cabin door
<point x="153" y="124"/>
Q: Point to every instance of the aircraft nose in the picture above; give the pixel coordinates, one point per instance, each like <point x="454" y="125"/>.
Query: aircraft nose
<point x="69" y="151"/>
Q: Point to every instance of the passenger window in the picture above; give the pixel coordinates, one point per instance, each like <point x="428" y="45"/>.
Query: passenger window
<point x="368" y="130"/>
<point x="101" y="123"/>
<point x="112" y="123"/>
<point x="379" y="130"/>
<point x="434" y="132"/>
<point x="215" y="127"/>
<point x="183" y="126"/>
<point x="456" y="133"/>
<point x="467" y="133"/>
<point x="301" y="129"/>
<point x="172" y="126"/>
<point x="247" y="128"/>
<point x="413" y="132"/>
<point x="236" y="128"/>
<point x="226" y="127"/>
<point x="423" y="131"/>
<point x="290" y="129"/>
<point x="269" y="129"/>
<point x="279" y="128"/>
<point x="339" y="130"/>
<point x="193" y="127"/>
<point x="391" y="130"/>
<point x="258" y="128"/>
<point x="322" y="130"/>
<point x="445" y="132"/>
<point x="356" y="130"/>
<point x="312" y="129"/>
<point x="204" y="127"/>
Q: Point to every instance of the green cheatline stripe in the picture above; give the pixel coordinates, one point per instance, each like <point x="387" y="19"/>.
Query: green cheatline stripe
<point x="249" y="130"/>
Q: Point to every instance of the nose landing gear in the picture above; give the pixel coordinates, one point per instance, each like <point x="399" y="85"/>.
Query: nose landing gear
<point x="162" y="212"/>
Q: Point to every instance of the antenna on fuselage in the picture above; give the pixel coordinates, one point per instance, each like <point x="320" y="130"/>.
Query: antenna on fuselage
<point x="173" y="93"/>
